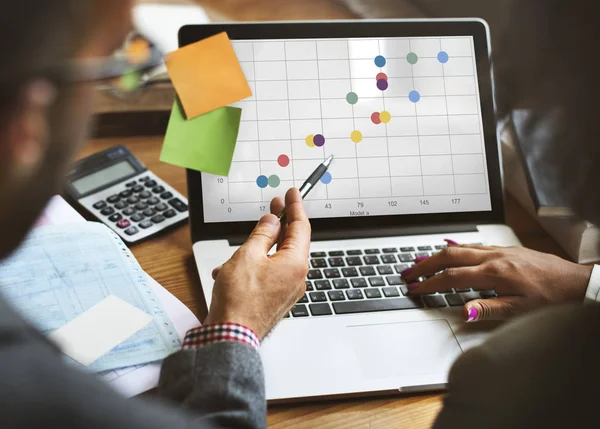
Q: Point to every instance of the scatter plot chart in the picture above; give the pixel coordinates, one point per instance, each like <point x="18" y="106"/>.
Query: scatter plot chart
<point x="401" y="116"/>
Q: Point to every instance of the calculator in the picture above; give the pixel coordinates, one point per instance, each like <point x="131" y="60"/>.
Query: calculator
<point x="117" y="189"/>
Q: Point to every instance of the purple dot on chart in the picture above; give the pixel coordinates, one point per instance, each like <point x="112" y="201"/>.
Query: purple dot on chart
<point x="382" y="84"/>
<point x="414" y="96"/>
<point x="262" y="181"/>
<point x="326" y="179"/>
<point x="319" y="140"/>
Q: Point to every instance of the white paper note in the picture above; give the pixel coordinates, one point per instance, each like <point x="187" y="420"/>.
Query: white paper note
<point x="99" y="329"/>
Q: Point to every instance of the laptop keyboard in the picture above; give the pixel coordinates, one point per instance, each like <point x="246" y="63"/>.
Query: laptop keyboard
<point x="368" y="280"/>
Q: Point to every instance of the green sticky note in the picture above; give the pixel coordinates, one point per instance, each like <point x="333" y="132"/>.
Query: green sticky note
<point x="204" y="143"/>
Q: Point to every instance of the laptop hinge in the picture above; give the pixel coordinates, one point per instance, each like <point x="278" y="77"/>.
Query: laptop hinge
<point x="377" y="232"/>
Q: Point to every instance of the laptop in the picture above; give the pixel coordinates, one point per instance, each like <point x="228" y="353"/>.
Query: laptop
<point x="406" y="108"/>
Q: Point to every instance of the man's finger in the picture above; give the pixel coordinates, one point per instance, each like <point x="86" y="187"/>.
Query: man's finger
<point x="216" y="271"/>
<point x="297" y="233"/>
<point x="457" y="278"/>
<point x="447" y="258"/>
<point x="276" y="206"/>
<point x="264" y="235"/>
<point x="497" y="309"/>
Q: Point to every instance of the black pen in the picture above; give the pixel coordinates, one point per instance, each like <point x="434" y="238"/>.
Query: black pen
<point x="310" y="183"/>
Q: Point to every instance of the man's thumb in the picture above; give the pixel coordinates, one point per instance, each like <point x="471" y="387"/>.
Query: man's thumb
<point x="265" y="235"/>
<point x="495" y="309"/>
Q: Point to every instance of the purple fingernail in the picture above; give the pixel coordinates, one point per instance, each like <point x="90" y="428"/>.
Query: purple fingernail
<point x="413" y="286"/>
<point x="451" y="242"/>
<point x="473" y="314"/>
<point x="420" y="259"/>
<point x="406" y="272"/>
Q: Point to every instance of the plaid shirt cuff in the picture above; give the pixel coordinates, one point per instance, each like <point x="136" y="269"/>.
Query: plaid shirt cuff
<point x="218" y="333"/>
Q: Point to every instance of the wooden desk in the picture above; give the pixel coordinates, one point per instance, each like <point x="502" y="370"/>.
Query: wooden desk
<point x="169" y="260"/>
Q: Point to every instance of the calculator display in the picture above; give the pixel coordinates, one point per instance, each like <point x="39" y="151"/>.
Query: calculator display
<point x="100" y="178"/>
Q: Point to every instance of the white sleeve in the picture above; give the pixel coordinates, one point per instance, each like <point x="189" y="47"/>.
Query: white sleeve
<point x="592" y="294"/>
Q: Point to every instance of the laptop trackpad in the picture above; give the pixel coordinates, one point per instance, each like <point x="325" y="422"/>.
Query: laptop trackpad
<point x="409" y="348"/>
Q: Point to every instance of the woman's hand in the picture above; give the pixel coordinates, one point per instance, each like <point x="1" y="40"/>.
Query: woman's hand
<point x="522" y="278"/>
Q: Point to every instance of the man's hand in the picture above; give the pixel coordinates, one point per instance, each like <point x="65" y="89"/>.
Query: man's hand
<point x="256" y="290"/>
<point x="523" y="279"/>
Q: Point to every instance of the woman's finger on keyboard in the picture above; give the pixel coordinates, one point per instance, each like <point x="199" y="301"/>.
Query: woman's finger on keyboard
<point x="497" y="309"/>
<point x="447" y="258"/>
<point x="452" y="278"/>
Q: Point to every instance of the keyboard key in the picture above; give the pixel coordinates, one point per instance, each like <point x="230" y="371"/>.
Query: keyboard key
<point x="407" y="249"/>
<point x="371" y="260"/>
<point x="125" y="194"/>
<point x="303" y="300"/>
<point x="332" y="273"/>
<point x="323" y="285"/>
<point x="123" y="223"/>
<point x="314" y="274"/>
<point x="144" y="179"/>
<point x="359" y="282"/>
<point x="107" y="211"/>
<point x="318" y="263"/>
<point x="132" y="231"/>
<point x="166" y="195"/>
<point x="463" y="290"/>
<point x="178" y="205"/>
<point x="138" y="217"/>
<point x="318" y="297"/>
<point x="354" y="294"/>
<point x="440" y="247"/>
<point x="406" y="257"/>
<point x="145" y="224"/>
<point x="434" y="301"/>
<point x="390" y="250"/>
<point x="354" y="261"/>
<point x="349" y="272"/>
<point x="169" y="213"/>
<point x="354" y="252"/>
<point x="424" y="248"/>
<point x="160" y="207"/>
<point x="467" y="297"/>
<point x="300" y="311"/>
<point x="318" y="255"/>
<point x="388" y="259"/>
<point x="115" y="218"/>
<point x="320" y="309"/>
<point x="137" y="188"/>
<point x="372" y="251"/>
<point x="367" y="271"/>
<point x="144" y="195"/>
<point x="421" y="255"/>
<point x="372" y="293"/>
<point x="454" y="300"/>
<point x="150" y="184"/>
<point x="385" y="270"/>
<point x="133" y="200"/>
<point x="404" y="290"/>
<point x="141" y="206"/>
<point x="394" y="280"/>
<point x="400" y="267"/>
<point x="336" y="262"/>
<point x="158" y="190"/>
<point x="100" y="205"/>
<point x="488" y="294"/>
<point x="336" y="253"/>
<point x="121" y="205"/>
<point x="348" y="307"/>
<point x="390" y="292"/>
<point x="341" y="284"/>
<point x="113" y="199"/>
<point x="376" y="281"/>
<point x="308" y="285"/>
<point x="129" y="211"/>
<point x="153" y="201"/>
<point x="130" y="184"/>
<point x="149" y="212"/>
<point x="336" y="295"/>
<point x="158" y="218"/>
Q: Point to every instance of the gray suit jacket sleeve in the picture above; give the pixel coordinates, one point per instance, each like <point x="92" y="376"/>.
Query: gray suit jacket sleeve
<point x="540" y="371"/>
<point x="221" y="385"/>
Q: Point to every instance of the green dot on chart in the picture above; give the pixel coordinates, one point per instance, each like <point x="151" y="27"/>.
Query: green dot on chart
<point x="274" y="181"/>
<point x="352" y="98"/>
<point x="412" y="58"/>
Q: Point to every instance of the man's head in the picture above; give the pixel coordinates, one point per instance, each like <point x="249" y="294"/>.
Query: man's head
<point x="43" y="117"/>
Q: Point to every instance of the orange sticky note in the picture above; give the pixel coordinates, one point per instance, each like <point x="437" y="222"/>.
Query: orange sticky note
<point x="207" y="75"/>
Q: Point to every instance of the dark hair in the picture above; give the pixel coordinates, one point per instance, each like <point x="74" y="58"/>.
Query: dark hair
<point x="548" y="61"/>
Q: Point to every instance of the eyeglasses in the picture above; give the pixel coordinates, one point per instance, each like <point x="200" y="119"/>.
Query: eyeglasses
<point x="123" y="74"/>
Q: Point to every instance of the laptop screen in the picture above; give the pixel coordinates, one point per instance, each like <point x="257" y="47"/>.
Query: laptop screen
<point x="401" y="115"/>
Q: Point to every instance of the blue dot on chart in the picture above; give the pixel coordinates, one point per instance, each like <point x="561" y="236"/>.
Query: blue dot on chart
<point x="414" y="96"/>
<point x="380" y="61"/>
<point x="262" y="181"/>
<point x="443" y="57"/>
<point x="326" y="179"/>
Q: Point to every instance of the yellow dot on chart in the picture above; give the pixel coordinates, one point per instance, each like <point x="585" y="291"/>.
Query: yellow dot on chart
<point x="356" y="136"/>
<point x="310" y="140"/>
<point x="385" y="117"/>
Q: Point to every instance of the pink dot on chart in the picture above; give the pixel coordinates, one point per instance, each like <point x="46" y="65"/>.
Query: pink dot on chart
<point x="381" y="76"/>
<point x="319" y="140"/>
<point x="382" y="84"/>
<point x="375" y="118"/>
<point x="283" y="160"/>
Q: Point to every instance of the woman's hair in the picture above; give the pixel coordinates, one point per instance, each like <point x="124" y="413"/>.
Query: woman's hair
<point x="548" y="60"/>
